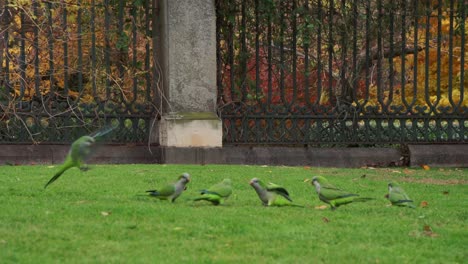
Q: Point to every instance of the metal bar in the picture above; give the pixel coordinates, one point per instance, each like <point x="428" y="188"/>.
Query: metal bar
<point x="107" y="47"/>
<point x="294" y="54"/>
<point x="257" y="51"/>
<point x="439" y="55"/>
<point x="462" y="6"/>
<point x="307" y="37"/>
<point x="427" y="56"/>
<point x="415" y="56"/>
<point x="330" y="50"/>
<point x="65" y="39"/>
<point x="22" y="58"/>
<point x="50" y="38"/>
<point x="135" y="59"/>
<point x="93" y="49"/>
<point x="80" y="48"/>
<point x="243" y="52"/>
<point x="37" y="77"/>
<point x="319" y="52"/>
<point x="380" y="51"/>
<point x="148" y="52"/>
<point x="355" y="42"/>
<point x="269" y="55"/>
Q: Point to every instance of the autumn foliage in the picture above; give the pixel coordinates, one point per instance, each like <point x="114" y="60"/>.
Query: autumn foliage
<point x="289" y="56"/>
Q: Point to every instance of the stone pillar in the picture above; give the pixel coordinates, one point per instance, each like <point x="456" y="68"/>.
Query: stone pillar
<point x="187" y="55"/>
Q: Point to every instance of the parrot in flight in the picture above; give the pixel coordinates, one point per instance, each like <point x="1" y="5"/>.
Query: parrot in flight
<point x="79" y="152"/>
<point x="217" y="193"/>
<point x="397" y="196"/>
<point x="171" y="191"/>
<point x="272" y="194"/>
<point x="332" y="195"/>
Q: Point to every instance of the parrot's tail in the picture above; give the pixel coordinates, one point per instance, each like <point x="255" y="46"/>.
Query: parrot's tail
<point x="100" y="133"/>
<point x="57" y="175"/>
<point x="297" y="205"/>
<point x="153" y="192"/>
<point x="362" y="199"/>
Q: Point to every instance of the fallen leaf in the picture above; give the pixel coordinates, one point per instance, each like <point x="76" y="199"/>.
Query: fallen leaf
<point x="306" y="167"/>
<point x="445" y="192"/>
<point x="264" y="166"/>
<point x="427" y="230"/>
<point x="306" y="180"/>
<point x="395" y="171"/>
<point x="407" y="171"/>
<point x="104" y="213"/>
<point x="177" y="228"/>
<point x="51" y="166"/>
<point x="424" y="204"/>
<point x="326" y="220"/>
<point x="321" y="207"/>
<point x="425" y="167"/>
<point x="363" y="176"/>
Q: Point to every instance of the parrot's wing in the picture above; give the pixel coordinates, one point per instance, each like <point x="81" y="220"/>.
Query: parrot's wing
<point x="334" y="193"/>
<point x="167" y="190"/>
<point x="272" y="187"/>
<point x="398" y="195"/>
<point x="220" y="189"/>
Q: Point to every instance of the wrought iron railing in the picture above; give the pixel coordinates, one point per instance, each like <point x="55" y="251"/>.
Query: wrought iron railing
<point x="70" y="67"/>
<point x="343" y="72"/>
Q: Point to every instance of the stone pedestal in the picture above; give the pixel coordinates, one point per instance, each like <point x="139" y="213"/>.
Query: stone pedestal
<point x="195" y="129"/>
<point x="187" y="55"/>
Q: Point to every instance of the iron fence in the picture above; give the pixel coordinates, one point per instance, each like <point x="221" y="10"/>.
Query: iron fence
<point x="342" y="72"/>
<point x="70" y="67"/>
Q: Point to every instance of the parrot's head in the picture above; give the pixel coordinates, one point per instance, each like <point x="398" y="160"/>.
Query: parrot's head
<point x="185" y="177"/>
<point x="392" y="185"/>
<point x="227" y="181"/>
<point x="257" y="183"/>
<point x="317" y="181"/>
<point x="254" y="181"/>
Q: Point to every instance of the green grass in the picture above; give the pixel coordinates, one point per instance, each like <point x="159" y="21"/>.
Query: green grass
<point x="97" y="216"/>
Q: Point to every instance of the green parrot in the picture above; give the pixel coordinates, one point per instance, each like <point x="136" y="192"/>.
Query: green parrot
<point x="272" y="194"/>
<point x="332" y="195"/>
<point x="217" y="193"/>
<point x="397" y="196"/>
<point x="173" y="190"/>
<point x="79" y="152"/>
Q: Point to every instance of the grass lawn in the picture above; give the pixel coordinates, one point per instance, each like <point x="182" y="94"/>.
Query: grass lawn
<point x="98" y="216"/>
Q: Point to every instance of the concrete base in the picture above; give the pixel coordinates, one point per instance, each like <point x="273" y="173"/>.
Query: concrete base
<point x="54" y="154"/>
<point x="432" y="155"/>
<point x="439" y="155"/>
<point x="190" y="130"/>
<point x="319" y="157"/>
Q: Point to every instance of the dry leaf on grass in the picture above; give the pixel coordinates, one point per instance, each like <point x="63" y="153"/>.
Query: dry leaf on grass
<point x="321" y="207"/>
<point x="424" y="204"/>
<point x="425" y="167"/>
<point x="326" y="220"/>
<point x="104" y="213"/>
<point x="427" y="231"/>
